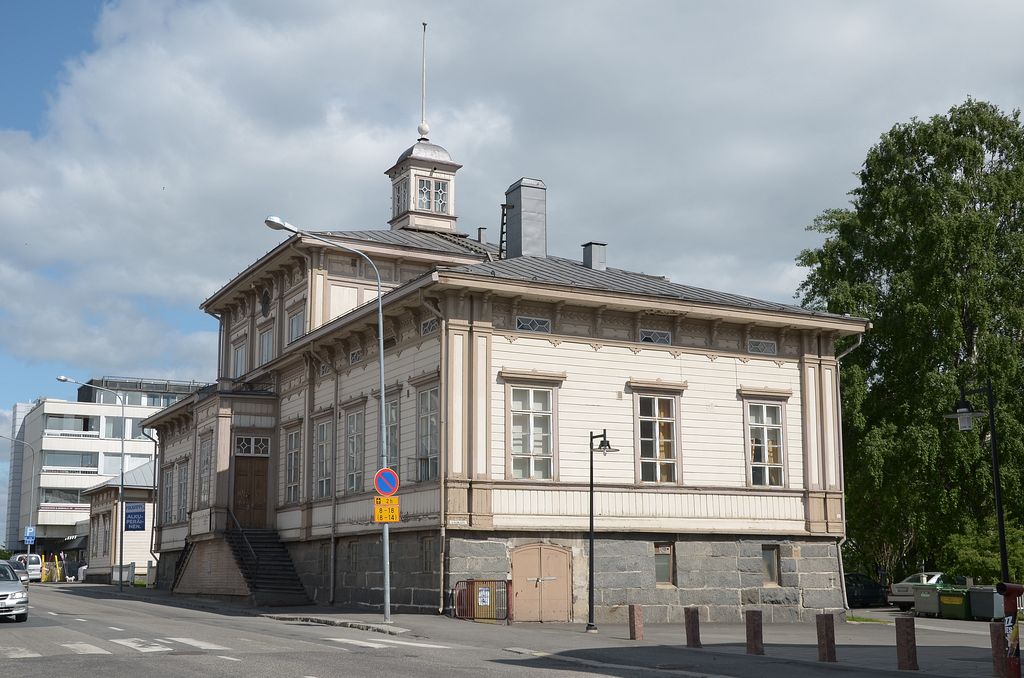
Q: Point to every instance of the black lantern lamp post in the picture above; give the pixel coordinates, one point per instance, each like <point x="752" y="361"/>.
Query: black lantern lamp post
<point x="605" y="447"/>
<point x="965" y="414"/>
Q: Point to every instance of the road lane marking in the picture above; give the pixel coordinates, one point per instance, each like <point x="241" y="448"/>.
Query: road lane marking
<point x="18" y="652"/>
<point x="360" y="643"/>
<point x="606" y="667"/>
<point x="82" y="620"/>
<point x="141" y="645"/>
<point x="84" y="648"/>
<point x="114" y="628"/>
<point x="53" y="613"/>
<point x="201" y="644"/>
<point x="230" y="659"/>
<point x="407" y="642"/>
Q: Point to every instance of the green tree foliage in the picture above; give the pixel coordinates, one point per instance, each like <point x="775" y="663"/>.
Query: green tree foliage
<point x="976" y="553"/>
<point x="931" y="251"/>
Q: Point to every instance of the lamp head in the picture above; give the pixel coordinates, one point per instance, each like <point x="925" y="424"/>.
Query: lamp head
<point x="963" y="412"/>
<point x="279" y="224"/>
<point x="64" y="379"/>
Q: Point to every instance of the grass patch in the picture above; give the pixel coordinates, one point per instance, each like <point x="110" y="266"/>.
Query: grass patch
<point x="865" y="620"/>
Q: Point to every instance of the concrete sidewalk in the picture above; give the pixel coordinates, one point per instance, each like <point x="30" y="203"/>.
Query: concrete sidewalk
<point x="866" y="649"/>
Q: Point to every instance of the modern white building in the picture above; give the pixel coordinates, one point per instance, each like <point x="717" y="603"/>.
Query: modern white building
<point x="503" y="364"/>
<point x="64" y="447"/>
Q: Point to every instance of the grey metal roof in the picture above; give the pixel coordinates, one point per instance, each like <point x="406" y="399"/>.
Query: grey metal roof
<point x="424" y="240"/>
<point x="569" y="273"/>
<point x="141" y="476"/>
<point x="424" y="150"/>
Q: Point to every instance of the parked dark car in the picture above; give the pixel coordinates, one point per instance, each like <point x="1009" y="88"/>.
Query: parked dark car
<point x="863" y="591"/>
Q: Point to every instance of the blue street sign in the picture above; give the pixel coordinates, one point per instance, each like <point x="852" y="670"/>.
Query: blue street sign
<point x="30" y="531"/>
<point x="134" y="516"/>
<point x="29" y="540"/>
<point x="386" y="481"/>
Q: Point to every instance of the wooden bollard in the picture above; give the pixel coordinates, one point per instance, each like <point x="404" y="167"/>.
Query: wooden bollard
<point x="906" y="644"/>
<point x="755" y="632"/>
<point x="636" y="622"/>
<point x="826" y="624"/>
<point x="997" y="633"/>
<point x="691" y="617"/>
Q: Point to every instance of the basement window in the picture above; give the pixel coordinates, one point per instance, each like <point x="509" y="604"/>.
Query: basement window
<point x="771" y="564"/>
<point x="664" y="564"/>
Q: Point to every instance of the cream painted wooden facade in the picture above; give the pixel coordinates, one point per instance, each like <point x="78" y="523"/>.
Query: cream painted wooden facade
<point x="288" y="438"/>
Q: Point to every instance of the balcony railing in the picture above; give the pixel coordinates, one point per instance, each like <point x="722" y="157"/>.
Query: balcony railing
<point x="57" y="433"/>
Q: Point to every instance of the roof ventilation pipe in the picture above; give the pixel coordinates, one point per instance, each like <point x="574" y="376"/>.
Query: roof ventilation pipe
<point x="527" y="218"/>
<point x="594" y="255"/>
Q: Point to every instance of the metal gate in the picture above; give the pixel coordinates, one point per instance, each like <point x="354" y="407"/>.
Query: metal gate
<point x="481" y="600"/>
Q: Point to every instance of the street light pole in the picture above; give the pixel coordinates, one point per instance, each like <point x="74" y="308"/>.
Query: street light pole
<point x="605" y="447"/>
<point x="964" y="414"/>
<point x="279" y="224"/>
<point x="120" y="487"/>
<point x="35" y="481"/>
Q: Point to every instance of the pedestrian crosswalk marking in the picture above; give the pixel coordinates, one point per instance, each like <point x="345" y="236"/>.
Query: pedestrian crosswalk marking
<point x="408" y="642"/>
<point x="360" y="643"/>
<point x="84" y="648"/>
<point x="18" y="652"/>
<point x="201" y="644"/>
<point x="141" y="645"/>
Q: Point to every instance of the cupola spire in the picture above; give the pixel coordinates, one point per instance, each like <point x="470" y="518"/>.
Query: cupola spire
<point x="424" y="128"/>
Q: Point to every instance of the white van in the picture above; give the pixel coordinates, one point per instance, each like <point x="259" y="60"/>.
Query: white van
<point x="33" y="563"/>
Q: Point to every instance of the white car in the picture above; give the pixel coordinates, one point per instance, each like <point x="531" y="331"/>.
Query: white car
<point x="901" y="594"/>
<point x="33" y="563"/>
<point x="13" y="594"/>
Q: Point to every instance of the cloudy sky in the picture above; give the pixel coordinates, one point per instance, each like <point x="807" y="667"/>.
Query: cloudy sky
<point x="142" y="143"/>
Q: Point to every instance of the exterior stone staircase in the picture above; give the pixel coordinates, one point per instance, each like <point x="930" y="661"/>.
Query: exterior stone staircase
<point x="267" y="567"/>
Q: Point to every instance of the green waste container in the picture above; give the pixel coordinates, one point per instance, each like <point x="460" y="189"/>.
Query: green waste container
<point x="926" y="600"/>
<point x="954" y="604"/>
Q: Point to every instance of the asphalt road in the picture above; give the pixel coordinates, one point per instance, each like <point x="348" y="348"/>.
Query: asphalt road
<point x="69" y="635"/>
<point x="76" y="630"/>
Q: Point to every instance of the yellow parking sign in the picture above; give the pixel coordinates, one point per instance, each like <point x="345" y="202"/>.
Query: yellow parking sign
<point x="386" y="510"/>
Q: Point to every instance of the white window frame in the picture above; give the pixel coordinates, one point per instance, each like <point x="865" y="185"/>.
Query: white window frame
<point x="656" y="437"/>
<point x="255" y="445"/>
<point x="182" y="492"/>
<point x="535" y="470"/>
<point x="429" y="326"/>
<point x="433" y="203"/>
<point x="296" y="324"/>
<point x="322" y="458"/>
<point x="665" y="548"/>
<point x="293" y="466"/>
<point x="392" y="421"/>
<point x="167" y="472"/>
<point x="428" y="432"/>
<point x="266" y="345"/>
<point x="751" y="429"/>
<point x="239" y="359"/>
<point x="203" y="471"/>
<point x="355" y="450"/>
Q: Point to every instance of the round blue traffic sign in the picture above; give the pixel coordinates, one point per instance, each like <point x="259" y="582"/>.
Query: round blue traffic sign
<point x="386" y="481"/>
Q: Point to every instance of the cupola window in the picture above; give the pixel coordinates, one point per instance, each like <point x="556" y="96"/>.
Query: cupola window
<point x="432" y="196"/>
<point x="401" y="197"/>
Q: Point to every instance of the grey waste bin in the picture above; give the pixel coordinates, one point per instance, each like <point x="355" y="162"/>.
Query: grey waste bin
<point x="926" y="600"/>
<point x="985" y="603"/>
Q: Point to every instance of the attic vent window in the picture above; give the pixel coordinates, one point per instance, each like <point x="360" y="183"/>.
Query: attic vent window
<point x="265" y="304"/>
<point x="762" y="347"/>
<point x="428" y="327"/>
<point x="324" y="370"/>
<point x="655" y="336"/>
<point x="528" y="324"/>
<point x="355" y="356"/>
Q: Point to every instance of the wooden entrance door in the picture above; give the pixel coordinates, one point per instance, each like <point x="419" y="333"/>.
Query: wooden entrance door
<point x="541" y="583"/>
<point x="250" y="505"/>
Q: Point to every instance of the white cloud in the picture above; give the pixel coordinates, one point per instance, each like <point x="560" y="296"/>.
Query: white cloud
<point x="698" y="140"/>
